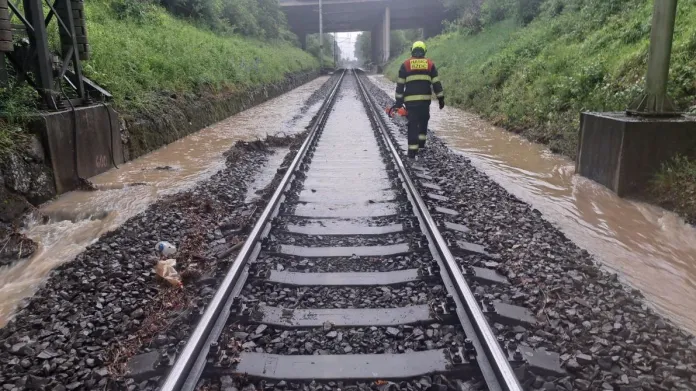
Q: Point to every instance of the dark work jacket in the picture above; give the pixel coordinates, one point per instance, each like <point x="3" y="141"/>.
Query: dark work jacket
<point x="418" y="78"/>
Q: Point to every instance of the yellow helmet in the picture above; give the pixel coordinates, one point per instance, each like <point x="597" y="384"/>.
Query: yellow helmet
<point x="419" y="45"/>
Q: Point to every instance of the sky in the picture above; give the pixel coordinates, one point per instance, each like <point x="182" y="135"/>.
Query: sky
<point x="346" y="41"/>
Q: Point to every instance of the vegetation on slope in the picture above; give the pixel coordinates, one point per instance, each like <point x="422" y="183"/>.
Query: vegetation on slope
<point x="162" y="53"/>
<point x="534" y="65"/>
<point x="251" y="18"/>
<point x="142" y="53"/>
<point x="675" y="187"/>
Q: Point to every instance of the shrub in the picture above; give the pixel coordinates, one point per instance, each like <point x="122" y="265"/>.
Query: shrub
<point x="131" y="9"/>
<point x="528" y="10"/>
<point x="493" y="11"/>
<point x="574" y="55"/>
<point x="253" y="18"/>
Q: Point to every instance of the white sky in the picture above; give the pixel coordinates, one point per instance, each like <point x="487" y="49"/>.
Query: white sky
<point x="346" y="41"/>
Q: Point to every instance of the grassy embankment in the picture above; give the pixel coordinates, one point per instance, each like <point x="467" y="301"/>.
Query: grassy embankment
<point x="143" y="55"/>
<point x="536" y="79"/>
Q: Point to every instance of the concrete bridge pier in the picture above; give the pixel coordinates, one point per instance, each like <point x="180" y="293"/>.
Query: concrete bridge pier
<point x="381" y="42"/>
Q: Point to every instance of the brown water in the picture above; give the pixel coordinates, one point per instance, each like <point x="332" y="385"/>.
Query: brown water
<point x="80" y="218"/>
<point x="652" y="249"/>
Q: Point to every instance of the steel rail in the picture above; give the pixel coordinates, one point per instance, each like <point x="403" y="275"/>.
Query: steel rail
<point x="497" y="360"/>
<point x="178" y="374"/>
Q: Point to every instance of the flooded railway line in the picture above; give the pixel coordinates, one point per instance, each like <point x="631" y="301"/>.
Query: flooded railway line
<point x="347" y="280"/>
<point x="354" y="277"/>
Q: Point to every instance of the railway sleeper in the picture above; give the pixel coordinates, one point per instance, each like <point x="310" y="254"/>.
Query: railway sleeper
<point x="454" y="362"/>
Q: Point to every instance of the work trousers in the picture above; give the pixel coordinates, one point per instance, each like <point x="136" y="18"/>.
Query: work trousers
<point x="418" y="117"/>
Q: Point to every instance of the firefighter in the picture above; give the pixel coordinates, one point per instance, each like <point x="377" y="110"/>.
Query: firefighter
<point x="418" y="79"/>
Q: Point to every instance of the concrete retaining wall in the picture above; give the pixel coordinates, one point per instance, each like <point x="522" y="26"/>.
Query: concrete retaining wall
<point x="28" y="174"/>
<point x="187" y="114"/>
<point x="623" y="152"/>
<point x="95" y="129"/>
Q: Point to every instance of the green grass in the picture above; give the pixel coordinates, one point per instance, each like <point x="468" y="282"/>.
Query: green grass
<point x="141" y="53"/>
<point x="15" y="103"/>
<point x="537" y="79"/>
<point x="675" y="186"/>
<point x="136" y="57"/>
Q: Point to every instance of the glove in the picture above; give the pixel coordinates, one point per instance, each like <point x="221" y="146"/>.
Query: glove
<point x="442" y="102"/>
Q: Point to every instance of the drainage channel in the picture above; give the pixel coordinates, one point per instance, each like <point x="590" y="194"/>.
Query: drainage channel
<point x="346" y="279"/>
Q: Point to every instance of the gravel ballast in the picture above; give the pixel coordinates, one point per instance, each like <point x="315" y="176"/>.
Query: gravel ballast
<point x="347" y="264"/>
<point x="331" y="340"/>
<point x="607" y="335"/>
<point x="80" y="329"/>
<point x="93" y="314"/>
<point x="412" y="293"/>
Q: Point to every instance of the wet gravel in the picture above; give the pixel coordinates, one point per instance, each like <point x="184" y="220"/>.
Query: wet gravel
<point x="412" y="293"/>
<point x="370" y="222"/>
<point x="345" y="264"/>
<point x="107" y="305"/>
<point x="79" y="330"/>
<point x="14" y="246"/>
<point x="73" y="334"/>
<point x="343" y="241"/>
<point x="607" y="336"/>
<point x="430" y="383"/>
<point x="331" y="340"/>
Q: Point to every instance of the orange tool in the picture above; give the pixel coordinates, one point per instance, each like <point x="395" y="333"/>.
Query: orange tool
<point x="401" y="111"/>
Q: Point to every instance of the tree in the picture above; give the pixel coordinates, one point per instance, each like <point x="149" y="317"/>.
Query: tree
<point x="473" y="14"/>
<point x="363" y="47"/>
<point x="254" y="18"/>
<point x="313" y="47"/>
<point x="528" y="10"/>
<point x="400" y="40"/>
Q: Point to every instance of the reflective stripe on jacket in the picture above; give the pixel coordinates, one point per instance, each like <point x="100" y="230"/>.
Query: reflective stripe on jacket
<point x="418" y="79"/>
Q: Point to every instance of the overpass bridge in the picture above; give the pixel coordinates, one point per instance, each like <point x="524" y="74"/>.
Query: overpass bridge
<point x="376" y="16"/>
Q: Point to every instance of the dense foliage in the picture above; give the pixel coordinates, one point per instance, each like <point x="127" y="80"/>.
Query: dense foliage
<point x="140" y="53"/>
<point x="164" y="53"/>
<point x="312" y="46"/>
<point x="534" y="65"/>
<point x="675" y="186"/>
<point x="254" y="18"/>
<point x="574" y="56"/>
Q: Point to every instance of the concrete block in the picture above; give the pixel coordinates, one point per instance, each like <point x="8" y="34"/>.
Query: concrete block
<point x="96" y="143"/>
<point x="623" y="152"/>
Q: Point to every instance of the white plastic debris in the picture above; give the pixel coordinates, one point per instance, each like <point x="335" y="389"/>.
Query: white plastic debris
<point x="165" y="269"/>
<point x="165" y="248"/>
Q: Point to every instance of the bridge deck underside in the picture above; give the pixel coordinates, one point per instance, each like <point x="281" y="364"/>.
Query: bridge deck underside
<point x="360" y="15"/>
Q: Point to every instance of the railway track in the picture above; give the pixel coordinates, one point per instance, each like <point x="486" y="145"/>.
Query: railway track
<point x="346" y="278"/>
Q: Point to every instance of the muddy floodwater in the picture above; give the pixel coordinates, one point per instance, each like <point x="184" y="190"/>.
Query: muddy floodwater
<point x="650" y="248"/>
<point x="79" y="218"/>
